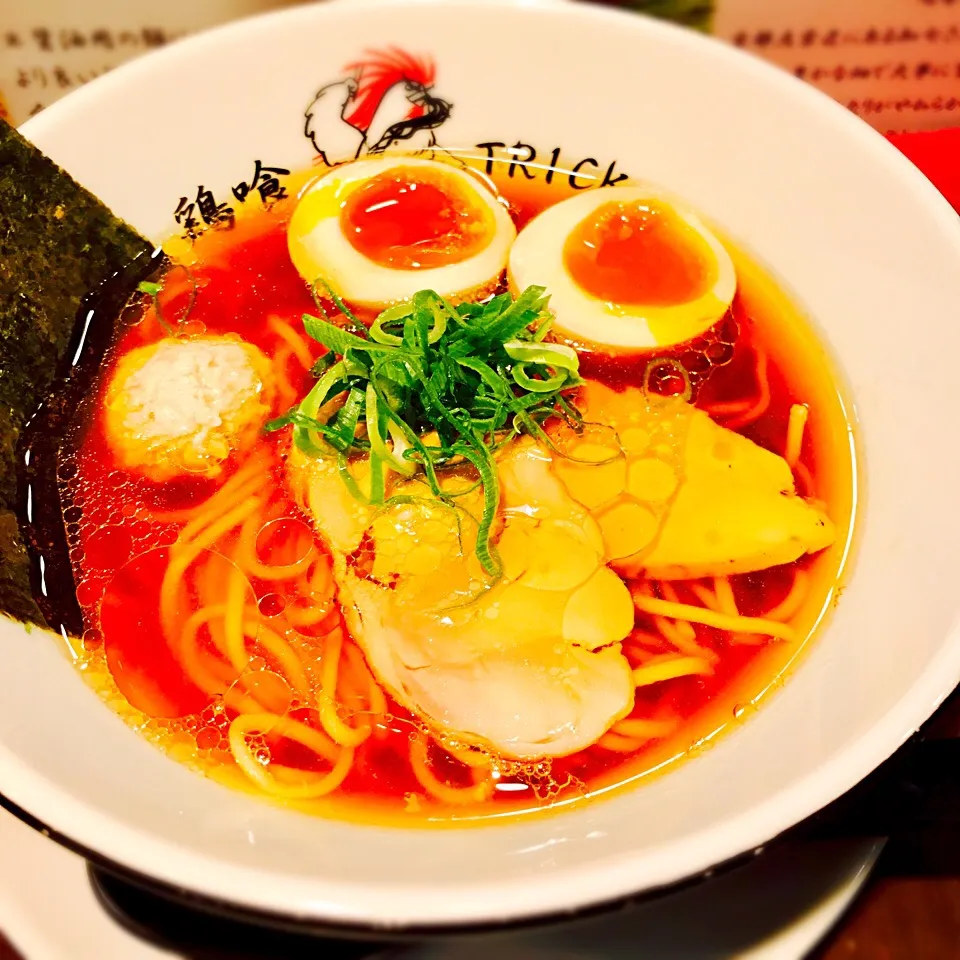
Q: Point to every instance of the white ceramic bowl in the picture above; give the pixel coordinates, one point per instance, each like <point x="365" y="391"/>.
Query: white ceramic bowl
<point x="864" y="241"/>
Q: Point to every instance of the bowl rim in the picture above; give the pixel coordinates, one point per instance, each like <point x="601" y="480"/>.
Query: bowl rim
<point x="365" y="906"/>
<point x="217" y="907"/>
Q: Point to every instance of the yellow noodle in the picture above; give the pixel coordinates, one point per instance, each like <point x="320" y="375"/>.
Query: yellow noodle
<point x="727" y="603"/>
<point x="378" y="704"/>
<point x="314" y="785"/>
<point x="219" y="676"/>
<point x="710" y="618"/>
<point x="725" y="598"/>
<point x="728" y="407"/>
<point x="282" y="652"/>
<point x="645" y="729"/>
<point x="670" y="670"/>
<point x="320" y="579"/>
<point x="618" y="743"/>
<point x="306" y="615"/>
<point x="642" y="655"/>
<point x="208" y="536"/>
<point x="189" y="653"/>
<point x="681" y="630"/>
<point x="286" y="391"/>
<point x="246" y="555"/>
<point x="663" y="658"/>
<point x="420" y="763"/>
<point x="273" y="727"/>
<point x="803" y="474"/>
<point x="722" y="601"/>
<point x="297" y="347"/>
<point x="787" y="608"/>
<point x="654" y="640"/>
<point x="218" y="635"/>
<point x="200" y="512"/>
<point x="182" y="555"/>
<point x="245" y="481"/>
<point x="352" y="686"/>
<point x="680" y="640"/>
<point x="213" y="678"/>
<point x="334" y="726"/>
<point x="667" y="629"/>
<point x="675" y="633"/>
<point x="795" y="429"/>
<point x="360" y="676"/>
<point x="233" y="620"/>
<point x="240" y="702"/>
<point x="784" y="611"/>
<point x="680" y="633"/>
<point x="206" y="580"/>
<point x="706" y="596"/>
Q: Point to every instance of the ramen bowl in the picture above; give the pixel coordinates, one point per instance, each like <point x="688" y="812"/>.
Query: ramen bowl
<point x="849" y="229"/>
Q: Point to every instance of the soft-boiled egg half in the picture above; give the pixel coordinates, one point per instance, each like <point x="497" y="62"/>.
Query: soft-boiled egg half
<point x="377" y="231"/>
<point x="627" y="269"/>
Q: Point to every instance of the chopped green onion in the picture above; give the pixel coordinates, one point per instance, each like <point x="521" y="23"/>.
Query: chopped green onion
<point x="375" y="426"/>
<point x="551" y="354"/>
<point x="486" y="468"/>
<point x="524" y="380"/>
<point x="474" y="376"/>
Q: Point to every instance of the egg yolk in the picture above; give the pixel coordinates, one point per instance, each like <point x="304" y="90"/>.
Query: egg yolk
<point x="639" y="254"/>
<point x="409" y="219"/>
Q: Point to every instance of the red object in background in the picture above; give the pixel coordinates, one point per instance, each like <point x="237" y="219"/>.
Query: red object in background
<point x="937" y="154"/>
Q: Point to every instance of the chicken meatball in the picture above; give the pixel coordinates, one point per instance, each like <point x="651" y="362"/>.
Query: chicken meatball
<point x="185" y="406"/>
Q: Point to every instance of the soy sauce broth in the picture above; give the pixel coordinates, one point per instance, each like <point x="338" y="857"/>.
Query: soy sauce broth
<point x="237" y="281"/>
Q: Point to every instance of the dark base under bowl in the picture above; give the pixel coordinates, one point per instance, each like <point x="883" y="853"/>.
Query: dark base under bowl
<point x="201" y="934"/>
<point x="914" y="798"/>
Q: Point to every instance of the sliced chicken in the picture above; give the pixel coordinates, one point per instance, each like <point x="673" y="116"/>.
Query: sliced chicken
<point x="531" y="666"/>
<point x="687" y="498"/>
<point x="736" y="511"/>
<point x="528" y="667"/>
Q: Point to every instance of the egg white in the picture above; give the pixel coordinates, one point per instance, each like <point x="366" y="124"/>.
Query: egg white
<point x="319" y="248"/>
<point x="537" y="258"/>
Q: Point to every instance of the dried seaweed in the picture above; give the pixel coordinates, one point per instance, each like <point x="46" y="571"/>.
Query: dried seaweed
<point x="58" y="244"/>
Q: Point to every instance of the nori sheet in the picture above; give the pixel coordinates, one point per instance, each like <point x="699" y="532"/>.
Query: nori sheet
<point x="58" y="243"/>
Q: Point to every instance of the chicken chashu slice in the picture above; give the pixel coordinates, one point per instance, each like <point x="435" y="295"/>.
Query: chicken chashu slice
<point x="686" y="498"/>
<point x="533" y="667"/>
<point x="529" y="668"/>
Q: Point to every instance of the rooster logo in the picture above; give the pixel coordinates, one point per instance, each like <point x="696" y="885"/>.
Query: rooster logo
<point x="385" y="99"/>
